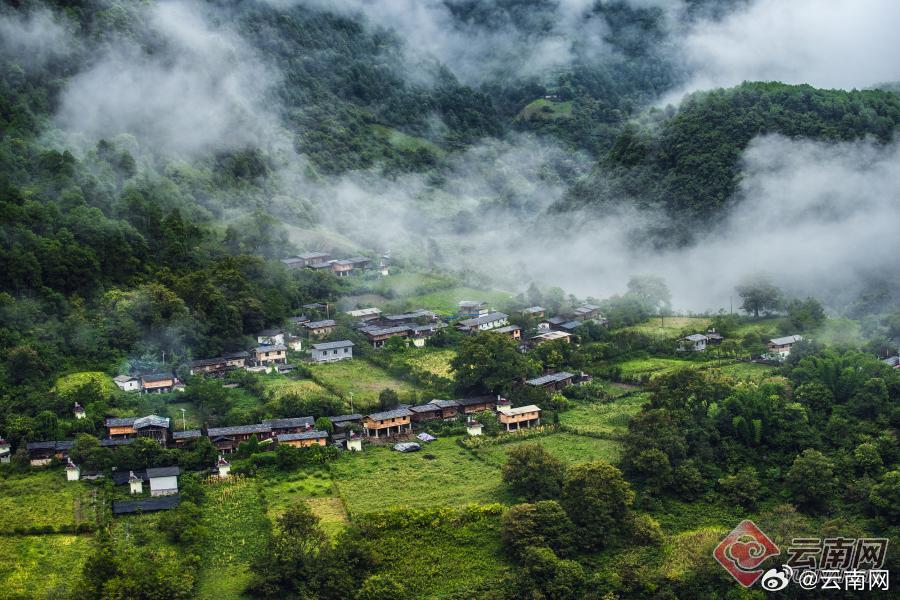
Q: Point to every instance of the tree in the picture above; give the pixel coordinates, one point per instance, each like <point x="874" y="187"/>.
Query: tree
<point x="325" y="424"/>
<point x="382" y="587"/>
<point x="759" y="295"/>
<point x="388" y="398"/>
<point x="805" y="315"/>
<point x="811" y="480"/>
<point x="545" y="575"/>
<point x="741" y="488"/>
<point x="490" y="362"/>
<point x="598" y="500"/>
<point x="532" y="472"/>
<point x="651" y="292"/>
<point x="885" y="495"/>
<point x="543" y="523"/>
<point x="653" y="465"/>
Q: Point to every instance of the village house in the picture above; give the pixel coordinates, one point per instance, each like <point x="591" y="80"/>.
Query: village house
<point x="534" y="312"/>
<point x="298" y="322"/>
<point x="79" y="412"/>
<point x="418" y="316"/>
<point x="270" y="355"/>
<point x="293" y="262"/>
<point x="305" y="260"/>
<point x="696" y="342"/>
<point x="484" y="323"/>
<point x="419" y="334"/>
<point x="163" y="480"/>
<point x="304" y="439"/>
<point x="342" y="268"/>
<point x="42" y="453"/>
<point x="522" y="416"/>
<point x="320" y="328"/>
<point x="474" y="428"/>
<point x="332" y="351"/>
<point x="360" y="263"/>
<point x="135" y="484"/>
<point x="270" y="337"/>
<point x="227" y="439"/>
<point x="449" y="408"/>
<point x="346" y="421"/>
<point x="550" y="336"/>
<point x="182" y="438"/>
<point x="586" y="312"/>
<point x="289" y="425"/>
<point x="379" y="335"/>
<point x="364" y="314"/>
<point x="5" y="451"/>
<point x="713" y="338"/>
<point x="223" y="467"/>
<point x="73" y="471"/>
<point x="145" y="505"/>
<point x="390" y="422"/>
<point x="513" y="331"/>
<point x="780" y="348"/>
<point x="354" y="442"/>
<point x="127" y="383"/>
<point x="152" y="426"/>
<point x="472" y="309"/>
<point x="425" y="412"/>
<point x="157" y="383"/>
<point x="476" y="404"/>
<point x="552" y="382"/>
<point x="215" y="366"/>
<point x="294" y="343"/>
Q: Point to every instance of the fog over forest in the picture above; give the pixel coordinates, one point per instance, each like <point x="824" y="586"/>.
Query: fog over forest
<point x="816" y="215"/>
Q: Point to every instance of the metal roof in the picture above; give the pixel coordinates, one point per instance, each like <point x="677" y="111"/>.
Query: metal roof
<point x="488" y="318"/>
<point x="423" y="408"/>
<point x="333" y="345"/>
<point x="521" y="410"/>
<point x="322" y="323"/>
<point x="271" y="348"/>
<point x="122" y="507"/>
<point x="695" y="337"/>
<point x="390" y="414"/>
<point x="238" y="430"/>
<point x="163" y="472"/>
<point x="783" y="341"/>
<point x="545" y="379"/>
<point x="313" y="434"/>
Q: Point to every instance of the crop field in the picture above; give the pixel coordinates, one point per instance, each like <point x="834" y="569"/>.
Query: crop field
<point x="434" y="361"/>
<point x="441" y="474"/>
<point x="313" y="486"/>
<point x="41" y="566"/>
<point x="570" y="448"/>
<point x="440" y="559"/>
<point x="637" y="369"/>
<point x="42" y="498"/>
<point x="278" y="386"/>
<point x="237" y="525"/>
<point x="671" y="326"/>
<point x="610" y="418"/>
<point x="360" y="378"/>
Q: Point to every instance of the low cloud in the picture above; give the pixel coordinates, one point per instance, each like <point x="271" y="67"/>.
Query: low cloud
<point x="837" y="44"/>
<point x="32" y="39"/>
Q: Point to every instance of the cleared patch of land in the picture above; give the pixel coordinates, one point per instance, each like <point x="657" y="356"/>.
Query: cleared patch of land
<point x="41" y="499"/>
<point x="41" y="566"/>
<point x="570" y="448"/>
<point x="610" y="418"/>
<point x="446" y="301"/>
<point x="441" y="474"/>
<point x="362" y="379"/>
<point x="546" y="110"/>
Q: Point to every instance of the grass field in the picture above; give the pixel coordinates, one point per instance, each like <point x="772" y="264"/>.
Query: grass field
<point x="360" y="378"/>
<point x="41" y="498"/>
<point x="435" y="361"/>
<point x="671" y="326"/>
<point x="313" y="486"/>
<point x="278" y="386"/>
<point x="379" y="478"/>
<point x="548" y="110"/>
<point x="237" y="524"/>
<point x="570" y="448"/>
<point x="447" y="301"/>
<point x="634" y="370"/>
<point x="41" y="566"/>
<point x="604" y="418"/>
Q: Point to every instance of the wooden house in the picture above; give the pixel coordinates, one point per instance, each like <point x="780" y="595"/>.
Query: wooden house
<point x="534" y="312"/>
<point x="270" y="355"/>
<point x="227" y="439"/>
<point x="152" y="426"/>
<point x="522" y="416"/>
<point x="303" y="439"/>
<point x="552" y="382"/>
<point x="320" y="328"/>
<point x="476" y="404"/>
<point x="449" y="408"/>
<point x="157" y="383"/>
<point x="470" y="309"/>
<point x="425" y="412"/>
<point x="486" y="322"/>
<point x="587" y="311"/>
<point x="419" y="315"/>
<point x="513" y="331"/>
<point x="182" y="438"/>
<point x="332" y="351"/>
<point x="289" y="425"/>
<point x="379" y="335"/>
<point x="364" y="314"/>
<point x="344" y="422"/>
<point x="342" y="268"/>
<point x="42" y="453"/>
<point x="389" y="422"/>
<point x="419" y="334"/>
<point x="163" y="480"/>
<point x="305" y="260"/>
<point x="780" y="348"/>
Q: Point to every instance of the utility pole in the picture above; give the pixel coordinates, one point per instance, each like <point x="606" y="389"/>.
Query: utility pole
<point x="183" y="420"/>
<point x="351" y="403"/>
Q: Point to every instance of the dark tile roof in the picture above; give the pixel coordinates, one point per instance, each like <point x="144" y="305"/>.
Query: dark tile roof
<point x="390" y="414"/>
<point x="151" y="421"/>
<point x="445" y="403"/>
<point x="271" y="348"/>
<point x="51" y="445"/>
<point x="557" y="320"/>
<point x="238" y="354"/>
<point x="488" y="318"/>
<point x="476" y="400"/>
<point x="318" y="324"/>
<point x="270" y="332"/>
<point x="156" y="377"/>
<point x="109" y="443"/>
<point x="187" y="435"/>
<point x="123" y="507"/>
<point x="424" y="408"/>
<point x="313" y="434"/>
<point x="345" y="418"/>
<point x="202" y="362"/>
<point x="238" y="430"/>
<point x="122" y="477"/>
<point x="120" y="421"/>
<point x="289" y="422"/>
<point x="163" y="472"/>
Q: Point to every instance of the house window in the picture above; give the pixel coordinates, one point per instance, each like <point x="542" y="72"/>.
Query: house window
<point x="334" y="352"/>
<point x="346" y="350"/>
